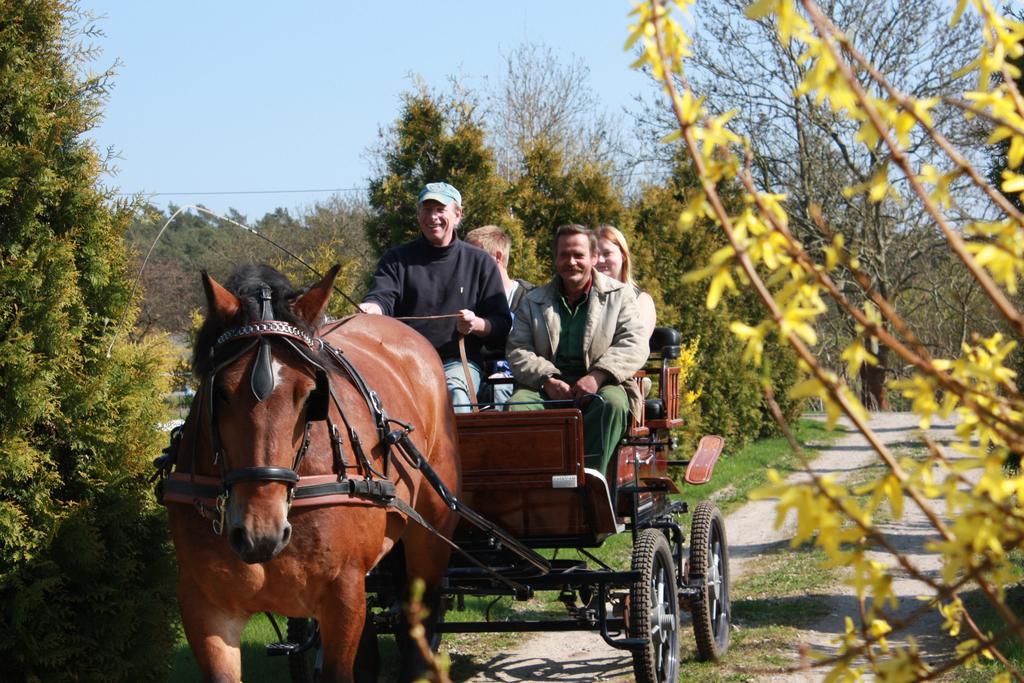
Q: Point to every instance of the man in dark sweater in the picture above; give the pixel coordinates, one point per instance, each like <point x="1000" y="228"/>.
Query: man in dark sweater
<point x="437" y="274"/>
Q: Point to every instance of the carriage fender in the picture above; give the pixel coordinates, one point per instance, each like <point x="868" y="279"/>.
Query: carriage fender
<point x="702" y="464"/>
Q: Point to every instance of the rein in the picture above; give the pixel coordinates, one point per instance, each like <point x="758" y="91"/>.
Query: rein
<point x="462" y="354"/>
<point x="230" y="221"/>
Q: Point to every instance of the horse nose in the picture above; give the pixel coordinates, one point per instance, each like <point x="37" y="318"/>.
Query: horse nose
<point x="255" y="550"/>
<point x="240" y="540"/>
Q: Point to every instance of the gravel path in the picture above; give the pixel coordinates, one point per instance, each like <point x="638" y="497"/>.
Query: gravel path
<point x="909" y="535"/>
<point x="579" y="657"/>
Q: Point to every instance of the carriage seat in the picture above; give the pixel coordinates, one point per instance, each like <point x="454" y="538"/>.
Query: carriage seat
<point x="665" y="346"/>
<point x="654" y="409"/>
<point x="665" y="341"/>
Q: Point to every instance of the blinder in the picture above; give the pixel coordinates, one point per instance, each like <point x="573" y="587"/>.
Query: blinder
<point x="319" y="399"/>
<point x="262" y="379"/>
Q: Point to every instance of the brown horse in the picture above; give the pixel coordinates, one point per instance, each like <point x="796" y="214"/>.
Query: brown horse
<point x="265" y="374"/>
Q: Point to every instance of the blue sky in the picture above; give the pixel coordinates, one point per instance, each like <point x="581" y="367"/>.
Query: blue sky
<point x="220" y="96"/>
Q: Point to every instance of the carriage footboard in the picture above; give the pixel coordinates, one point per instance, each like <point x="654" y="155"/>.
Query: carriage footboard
<point x="599" y="619"/>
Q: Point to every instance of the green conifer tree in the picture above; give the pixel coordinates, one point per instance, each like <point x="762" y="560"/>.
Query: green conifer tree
<point x="731" y="402"/>
<point x="85" y="569"/>
<point x="552" y="190"/>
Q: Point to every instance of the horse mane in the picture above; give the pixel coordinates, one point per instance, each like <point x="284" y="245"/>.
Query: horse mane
<point x="245" y="283"/>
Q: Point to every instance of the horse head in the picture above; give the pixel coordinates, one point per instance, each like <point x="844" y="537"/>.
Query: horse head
<point x="263" y="384"/>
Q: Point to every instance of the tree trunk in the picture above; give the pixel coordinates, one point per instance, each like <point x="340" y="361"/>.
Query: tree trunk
<point x="872" y="379"/>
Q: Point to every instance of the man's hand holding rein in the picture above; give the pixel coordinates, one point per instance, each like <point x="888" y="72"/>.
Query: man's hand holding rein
<point x="470" y="323"/>
<point x="371" y="308"/>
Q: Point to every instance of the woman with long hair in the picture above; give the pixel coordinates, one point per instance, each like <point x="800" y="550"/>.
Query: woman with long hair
<point x="614" y="261"/>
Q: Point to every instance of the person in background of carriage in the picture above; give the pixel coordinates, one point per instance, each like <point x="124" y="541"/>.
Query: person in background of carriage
<point x="495" y="242"/>
<point x="437" y="274"/>
<point x="577" y="335"/>
<point x="613" y="260"/>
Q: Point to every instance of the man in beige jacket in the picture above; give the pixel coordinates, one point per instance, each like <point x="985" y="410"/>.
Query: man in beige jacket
<point x="580" y="334"/>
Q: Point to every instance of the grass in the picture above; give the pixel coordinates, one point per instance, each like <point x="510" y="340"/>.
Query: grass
<point x="990" y="622"/>
<point x="257" y="667"/>
<point x="737" y="474"/>
<point x="768" y="609"/>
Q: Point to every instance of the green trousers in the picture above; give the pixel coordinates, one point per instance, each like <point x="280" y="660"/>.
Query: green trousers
<point x="604" y="422"/>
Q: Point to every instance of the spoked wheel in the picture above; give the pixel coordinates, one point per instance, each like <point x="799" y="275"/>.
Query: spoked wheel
<point x="709" y="570"/>
<point x="305" y="667"/>
<point x="654" y="610"/>
<point x="437" y="636"/>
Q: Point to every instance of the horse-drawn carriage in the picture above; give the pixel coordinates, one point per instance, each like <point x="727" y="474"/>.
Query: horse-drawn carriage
<point x="526" y="496"/>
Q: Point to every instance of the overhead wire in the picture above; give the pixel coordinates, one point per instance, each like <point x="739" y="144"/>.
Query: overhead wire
<point x="202" y="209"/>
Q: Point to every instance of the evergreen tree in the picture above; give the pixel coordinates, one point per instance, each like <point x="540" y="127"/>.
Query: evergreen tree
<point x="435" y="139"/>
<point x="86" y="577"/>
<point x="552" y="190"/>
<point x="731" y="399"/>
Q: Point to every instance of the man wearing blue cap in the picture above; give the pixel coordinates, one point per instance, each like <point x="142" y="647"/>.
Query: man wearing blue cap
<point x="437" y="274"/>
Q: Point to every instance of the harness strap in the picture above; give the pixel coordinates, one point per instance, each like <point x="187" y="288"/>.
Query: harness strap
<point x="337" y="448"/>
<point x="373" y="401"/>
<point x="202" y="491"/>
<point x="282" y="474"/>
<point x="312" y="491"/>
<point x="465" y="370"/>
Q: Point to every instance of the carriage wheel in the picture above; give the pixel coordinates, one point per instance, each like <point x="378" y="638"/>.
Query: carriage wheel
<point x="709" y="570"/>
<point x="304" y="667"/>
<point x="437" y="637"/>
<point x="654" y="609"/>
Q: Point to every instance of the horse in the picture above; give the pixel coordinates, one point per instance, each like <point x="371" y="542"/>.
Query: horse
<point x="303" y="462"/>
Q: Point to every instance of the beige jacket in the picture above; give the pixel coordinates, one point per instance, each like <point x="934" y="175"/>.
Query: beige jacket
<point x="613" y="338"/>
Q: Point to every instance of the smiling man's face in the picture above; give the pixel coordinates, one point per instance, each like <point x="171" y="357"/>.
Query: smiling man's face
<point x="574" y="262"/>
<point x="438" y="221"/>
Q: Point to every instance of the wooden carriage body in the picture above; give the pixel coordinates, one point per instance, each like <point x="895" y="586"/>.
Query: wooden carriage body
<point x="525" y="471"/>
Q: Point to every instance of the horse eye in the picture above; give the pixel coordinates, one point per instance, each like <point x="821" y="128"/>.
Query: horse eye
<point x="221" y="394"/>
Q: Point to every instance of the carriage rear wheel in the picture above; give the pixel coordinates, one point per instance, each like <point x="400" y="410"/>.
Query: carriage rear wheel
<point x="304" y="667"/>
<point x="709" y="571"/>
<point x="654" y="609"/>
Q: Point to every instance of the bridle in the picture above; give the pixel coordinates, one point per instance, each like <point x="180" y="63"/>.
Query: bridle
<point x="210" y="495"/>
<point x="262" y="381"/>
<point x="260" y="335"/>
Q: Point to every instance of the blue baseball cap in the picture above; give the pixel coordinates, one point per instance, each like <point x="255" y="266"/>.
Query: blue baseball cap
<point x="440" y="192"/>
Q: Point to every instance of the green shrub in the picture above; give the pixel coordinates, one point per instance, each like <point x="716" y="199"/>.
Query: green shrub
<point x="85" y="569"/>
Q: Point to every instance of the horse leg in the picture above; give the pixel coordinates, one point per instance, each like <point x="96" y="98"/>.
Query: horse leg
<point x="214" y="636"/>
<point x="341" y="628"/>
<point x="426" y="558"/>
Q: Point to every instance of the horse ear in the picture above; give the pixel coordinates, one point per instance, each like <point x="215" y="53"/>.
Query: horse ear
<point x="220" y="301"/>
<point x="311" y="305"/>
